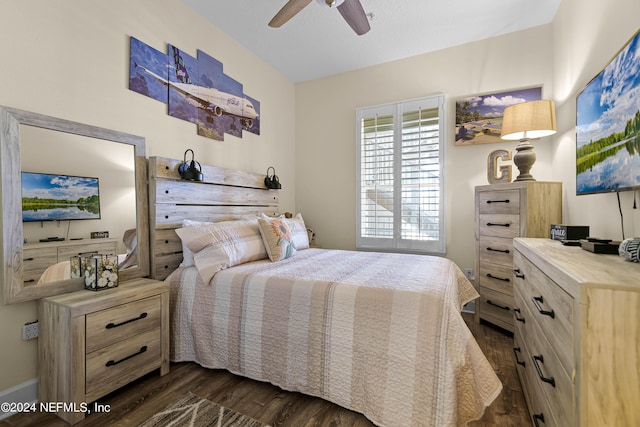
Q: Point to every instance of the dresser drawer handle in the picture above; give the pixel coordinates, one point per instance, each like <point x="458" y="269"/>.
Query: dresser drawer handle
<point x="115" y="325"/>
<point x="517" y="311"/>
<point x="551" y="380"/>
<point x="519" y="274"/>
<point x="504" y="251"/>
<point x="504" y="279"/>
<point x="498" y="201"/>
<point x="30" y="281"/>
<point x="517" y="350"/>
<point x="29" y="259"/>
<point x="503" y="307"/>
<point x="537" y="417"/>
<point x="493" y="224"/>
<point x="539" y="300"/>
<point x="113" y="362"/>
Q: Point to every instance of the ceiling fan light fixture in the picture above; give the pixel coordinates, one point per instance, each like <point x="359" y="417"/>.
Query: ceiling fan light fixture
<point x="330" y="3"/>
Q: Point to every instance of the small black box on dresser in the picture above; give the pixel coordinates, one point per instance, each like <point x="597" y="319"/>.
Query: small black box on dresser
<point x="569" y="232"/>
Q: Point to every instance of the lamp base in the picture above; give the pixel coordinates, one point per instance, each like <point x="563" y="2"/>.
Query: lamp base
<point x="524" y="159"/>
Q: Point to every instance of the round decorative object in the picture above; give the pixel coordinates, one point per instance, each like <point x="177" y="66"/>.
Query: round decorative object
<point x="630" y="249"/>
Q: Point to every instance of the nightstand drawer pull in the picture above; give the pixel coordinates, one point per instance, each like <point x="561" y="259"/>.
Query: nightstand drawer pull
<point x="516" y="311"/>
<point x="493" y="224"/>
<point x="537" y="417"/>
<point x="504" y="279"/>
<point x="498" y="201"/>
<point x="519" y="274"/>
<point x="539" y="300"/>
<point x="517" y="350"/>
<point x="113" y="362"/>
<point x="115" y="325"/>
<point x="30" y="281"/>
<point x="550" y="380"/>
<point x="29" y="259"/>
<point x="503" y="307"/>
<point x="504" y="251"/>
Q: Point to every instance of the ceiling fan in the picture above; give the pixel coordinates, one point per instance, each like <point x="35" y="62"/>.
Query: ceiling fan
<point x="351" y="11"/>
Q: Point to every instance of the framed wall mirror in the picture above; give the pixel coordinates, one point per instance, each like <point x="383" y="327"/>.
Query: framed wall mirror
<point x="68" y="188"/>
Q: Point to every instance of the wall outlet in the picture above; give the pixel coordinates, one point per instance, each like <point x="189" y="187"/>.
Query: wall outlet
<point x="469" y="273"/>
<point x="30" y="331"/>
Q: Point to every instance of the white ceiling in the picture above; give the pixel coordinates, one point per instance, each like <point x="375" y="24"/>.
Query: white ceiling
<point x="318" y="42"/>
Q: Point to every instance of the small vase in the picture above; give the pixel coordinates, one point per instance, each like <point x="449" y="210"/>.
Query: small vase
<point x="630" y="249"/>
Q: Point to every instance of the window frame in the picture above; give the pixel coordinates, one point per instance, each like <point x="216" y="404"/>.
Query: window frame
<point x="397" y="243"/>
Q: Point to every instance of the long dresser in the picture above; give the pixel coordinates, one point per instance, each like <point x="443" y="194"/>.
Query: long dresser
<point x="38" y="256"/>
<point x="577" y="335"/>
<point x="505" y="211"/>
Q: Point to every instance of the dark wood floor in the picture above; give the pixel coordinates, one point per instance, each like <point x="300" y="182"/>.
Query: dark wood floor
<point x="138" y="401"/>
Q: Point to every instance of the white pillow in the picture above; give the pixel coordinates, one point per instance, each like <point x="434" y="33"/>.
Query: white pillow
<point x="299" y="234"/>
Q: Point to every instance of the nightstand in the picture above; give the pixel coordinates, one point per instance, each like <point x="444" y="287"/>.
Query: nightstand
<point x="92" y="343"/>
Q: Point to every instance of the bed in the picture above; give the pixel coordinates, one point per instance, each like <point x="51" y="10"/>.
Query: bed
<point x="377" y="333"/>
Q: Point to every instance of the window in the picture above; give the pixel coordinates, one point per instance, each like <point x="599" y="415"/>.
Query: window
<point x="400" y="185"/>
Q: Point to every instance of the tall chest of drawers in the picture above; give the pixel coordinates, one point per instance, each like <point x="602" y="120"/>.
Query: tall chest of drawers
<point x="577" y="334"/>
<point x="502" y="212"/>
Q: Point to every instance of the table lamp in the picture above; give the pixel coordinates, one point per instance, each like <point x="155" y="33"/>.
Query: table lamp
<point x="524" y="122"/>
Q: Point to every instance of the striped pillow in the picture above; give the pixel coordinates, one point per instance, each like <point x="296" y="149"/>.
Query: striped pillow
<point x="223" y="244"/>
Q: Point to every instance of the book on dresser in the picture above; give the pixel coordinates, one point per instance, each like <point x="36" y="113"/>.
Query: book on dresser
<point x="502" y="212"/>
<point x="577" y="335"/>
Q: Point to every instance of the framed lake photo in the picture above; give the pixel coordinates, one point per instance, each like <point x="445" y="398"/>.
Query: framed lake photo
<point x="479" y="118"/>
<point x="608" y="126"/>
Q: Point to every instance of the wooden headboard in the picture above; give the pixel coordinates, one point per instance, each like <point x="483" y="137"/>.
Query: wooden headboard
<point x="225" y="193"/>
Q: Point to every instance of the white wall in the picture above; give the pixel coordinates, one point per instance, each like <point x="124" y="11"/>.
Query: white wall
<point x="562" y="56"/>
<point x="325" y="129"/>
<point x="70" y="59"/>
<point x="586" y="35"/>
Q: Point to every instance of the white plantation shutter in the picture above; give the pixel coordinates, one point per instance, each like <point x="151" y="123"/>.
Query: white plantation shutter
<point x="400" y="157"/>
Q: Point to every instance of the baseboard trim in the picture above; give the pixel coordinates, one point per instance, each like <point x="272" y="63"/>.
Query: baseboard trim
<point x="27" y="392"/>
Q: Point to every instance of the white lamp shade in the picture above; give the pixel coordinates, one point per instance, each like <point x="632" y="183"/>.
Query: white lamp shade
<point x="529" y="120"/>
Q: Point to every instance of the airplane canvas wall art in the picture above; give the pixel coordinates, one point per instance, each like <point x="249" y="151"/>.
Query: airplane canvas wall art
<point x="195" y="89"/>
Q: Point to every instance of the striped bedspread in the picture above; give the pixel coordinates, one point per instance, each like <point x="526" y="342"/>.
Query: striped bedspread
<point x="377" y="333"/>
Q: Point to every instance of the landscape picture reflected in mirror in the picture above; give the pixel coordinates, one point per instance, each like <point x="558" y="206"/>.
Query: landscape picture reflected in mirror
<point x="47" y="197"/>
<point x="608" y="126"/>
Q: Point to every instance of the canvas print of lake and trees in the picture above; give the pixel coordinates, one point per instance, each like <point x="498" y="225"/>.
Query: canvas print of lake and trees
<point x="608" y="126"/>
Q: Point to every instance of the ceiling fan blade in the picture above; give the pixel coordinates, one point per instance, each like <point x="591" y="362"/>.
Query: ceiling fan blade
<point x="353" y="13"/>
<point x="288" y="11"/>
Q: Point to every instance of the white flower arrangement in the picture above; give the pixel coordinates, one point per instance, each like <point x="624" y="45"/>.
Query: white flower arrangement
<point x="101" y="272"/>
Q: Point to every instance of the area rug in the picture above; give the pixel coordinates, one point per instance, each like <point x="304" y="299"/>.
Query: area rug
<point x="194" y="411"/>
